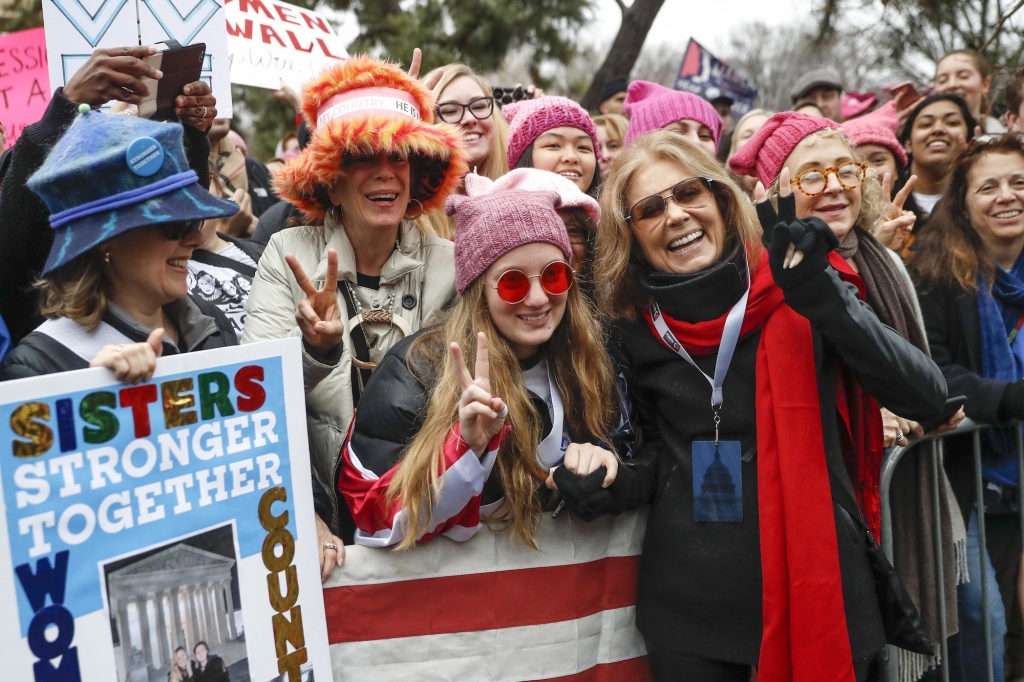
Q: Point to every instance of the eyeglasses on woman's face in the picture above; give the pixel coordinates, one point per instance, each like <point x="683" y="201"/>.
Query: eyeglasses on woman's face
<point x="452" y="112"/>
<point x="689" y="194"/>
<point x="813" y="183"/>
<point x="514" y="285"/>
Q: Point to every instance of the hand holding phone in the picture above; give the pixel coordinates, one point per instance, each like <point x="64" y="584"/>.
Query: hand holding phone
<point x="179" y="66"/>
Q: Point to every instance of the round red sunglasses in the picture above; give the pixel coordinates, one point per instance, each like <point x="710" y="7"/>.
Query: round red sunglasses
<point x="514" y="285"/>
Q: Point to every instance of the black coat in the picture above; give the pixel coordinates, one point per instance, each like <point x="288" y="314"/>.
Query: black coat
<point x="25" y="233"/>
<point x="202" y="324"/>
<point x="700" y="583"/>
<point x="954" y="335"/>
<point x="215" y="670"/>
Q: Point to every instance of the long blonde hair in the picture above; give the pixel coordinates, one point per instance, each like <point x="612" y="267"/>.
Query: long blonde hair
<point x="582" y="370"/>
<point x="618" y="259"/>
<point x="496" y="165"/>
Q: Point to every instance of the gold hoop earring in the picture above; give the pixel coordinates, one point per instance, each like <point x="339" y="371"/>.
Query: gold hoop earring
<point x="419" y="209"/>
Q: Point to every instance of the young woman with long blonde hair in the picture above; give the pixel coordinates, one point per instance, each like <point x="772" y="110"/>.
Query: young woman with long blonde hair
<point x="435" y="449"/>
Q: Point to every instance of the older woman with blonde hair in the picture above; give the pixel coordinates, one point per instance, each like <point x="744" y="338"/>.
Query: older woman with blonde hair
<point x="752" y="515"/>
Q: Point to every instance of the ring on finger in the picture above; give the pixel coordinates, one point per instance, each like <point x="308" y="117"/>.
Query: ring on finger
<point x="119" y="349"/>
<point x="900" y="437"/>
<point x="330" y="545"/>
<point x="504" y="412"/>
<point x="204" y="112"/>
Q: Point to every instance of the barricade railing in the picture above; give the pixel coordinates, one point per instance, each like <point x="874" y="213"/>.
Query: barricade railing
<point x="934" y="444"/>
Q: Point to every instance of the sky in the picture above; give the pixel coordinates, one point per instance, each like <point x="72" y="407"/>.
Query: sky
<point x="679" y="20"/>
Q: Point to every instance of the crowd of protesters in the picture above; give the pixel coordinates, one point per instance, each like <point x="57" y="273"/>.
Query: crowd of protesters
<point x="536" y="307"/>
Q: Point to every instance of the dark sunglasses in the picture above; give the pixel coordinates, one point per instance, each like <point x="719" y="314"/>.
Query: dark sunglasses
<point x="177" y="231"/>
<point x="691" y="193"/>
<point x="514" y="285"/>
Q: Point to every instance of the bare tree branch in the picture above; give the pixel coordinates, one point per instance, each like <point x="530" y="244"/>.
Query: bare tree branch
<point x="622" y="6"/>
<point x="999" y="25"/>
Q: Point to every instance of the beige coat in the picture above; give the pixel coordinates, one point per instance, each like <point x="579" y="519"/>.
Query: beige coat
<point x="422" y="267"/>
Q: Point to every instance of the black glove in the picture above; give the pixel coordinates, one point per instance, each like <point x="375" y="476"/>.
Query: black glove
<point x="812" y="236"/>
<point x="584" y="496"/>
<point x="1011" y="406"/>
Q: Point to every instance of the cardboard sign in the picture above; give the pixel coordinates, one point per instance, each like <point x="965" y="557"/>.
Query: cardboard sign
<point x="24" y="82"/>
<point x="707" y="76"/>
<point x="270" y="40"/>
<point x="137" y="521"/>
<point x="74" y="30"/>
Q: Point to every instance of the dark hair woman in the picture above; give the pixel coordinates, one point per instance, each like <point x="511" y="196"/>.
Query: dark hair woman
<point x="435" y="450"/>
<point x="970" y="276"/>
<point x="934" y="134"/>
<point x="753" y="514"/>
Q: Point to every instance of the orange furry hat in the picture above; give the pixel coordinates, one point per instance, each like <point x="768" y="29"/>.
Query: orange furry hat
<point x="378" y="103"/>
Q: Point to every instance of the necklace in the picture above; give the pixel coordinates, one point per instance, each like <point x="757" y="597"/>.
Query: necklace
<point x="380" y="314"/>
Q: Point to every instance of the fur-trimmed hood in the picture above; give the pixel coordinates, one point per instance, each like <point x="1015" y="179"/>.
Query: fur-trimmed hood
<point x="436" y="152"/>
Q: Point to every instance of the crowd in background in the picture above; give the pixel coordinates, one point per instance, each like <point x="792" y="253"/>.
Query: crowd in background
<point x="507" y="309"/>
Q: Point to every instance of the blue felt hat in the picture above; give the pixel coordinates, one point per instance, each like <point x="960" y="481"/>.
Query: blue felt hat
<point x="109" y="174"/>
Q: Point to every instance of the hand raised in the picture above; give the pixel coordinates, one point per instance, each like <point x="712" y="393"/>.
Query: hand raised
<point x="112" y="74"/>
<point x="133" y="362"/>
<point x="895" y="224"/>
<point x="318" y="314"/>
<point x="196" y="106"/>
<point x="480" y="414"/>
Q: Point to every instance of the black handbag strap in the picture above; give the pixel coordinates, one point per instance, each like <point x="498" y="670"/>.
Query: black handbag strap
<point x="211" y="258"/>
<point x="360" y="347"/>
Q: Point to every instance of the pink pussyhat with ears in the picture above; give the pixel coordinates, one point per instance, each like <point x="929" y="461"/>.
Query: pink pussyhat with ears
<point x="652" y="107"/>
<point x="489" y="225"/>
<point x="535" y="180"/>
<point x="878" y="127"/>
<point x="764" y="155"/>
<point x="531" y="118"/>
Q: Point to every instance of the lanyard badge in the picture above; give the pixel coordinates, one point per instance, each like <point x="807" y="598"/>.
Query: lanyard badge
<point x="717" y="472"/>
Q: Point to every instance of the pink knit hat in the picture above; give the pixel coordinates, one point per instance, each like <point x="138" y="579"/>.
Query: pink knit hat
<point x="878" y="127"/>
<point x="535" y="180"/>
<point x="650" y="106"/>
<point x="530" y="118"/>
<point x="490" y="225"/>
<point x="765" y="153"/>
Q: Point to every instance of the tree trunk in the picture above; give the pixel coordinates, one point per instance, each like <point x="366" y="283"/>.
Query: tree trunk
<point x="637" y="20"/>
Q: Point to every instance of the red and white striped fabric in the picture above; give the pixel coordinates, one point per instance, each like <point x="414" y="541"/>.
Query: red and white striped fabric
<point x="490" y="610"/>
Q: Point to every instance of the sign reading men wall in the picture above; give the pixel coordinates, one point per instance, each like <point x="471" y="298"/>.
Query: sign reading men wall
<point x="137" y="521"/>
<point x="271" y="40"/>
<point x="74" y="28"/>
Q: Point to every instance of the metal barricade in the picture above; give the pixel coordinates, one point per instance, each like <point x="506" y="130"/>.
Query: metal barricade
<point x="934" y="443"/>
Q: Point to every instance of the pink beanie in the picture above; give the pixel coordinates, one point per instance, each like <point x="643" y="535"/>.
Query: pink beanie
<point x="765" y="153"/>
<point x="650" y="106"/>
<point x="530" y="118"/>
<point x="490" y="225"/>
<point x="535" y="180"/>
<point x="878" y="127"/>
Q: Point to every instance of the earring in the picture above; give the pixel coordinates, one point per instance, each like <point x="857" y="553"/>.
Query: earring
<point x="106" y="257"/>
<point x="419" y="209"/>
<point x="337" y="213"/>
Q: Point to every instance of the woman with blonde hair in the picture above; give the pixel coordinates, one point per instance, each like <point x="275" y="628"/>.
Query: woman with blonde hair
<point x="611" y="133"/>
<point x="465" y="99"/>
<point x="437" y="450"/>
<point x="181" y="666"/>
<point x="737" y="358"/>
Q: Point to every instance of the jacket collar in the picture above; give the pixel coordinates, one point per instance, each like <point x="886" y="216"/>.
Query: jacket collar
<point x="401" y="262"/>
<point x="700" y="296"/>
<point x="193" y="326"/>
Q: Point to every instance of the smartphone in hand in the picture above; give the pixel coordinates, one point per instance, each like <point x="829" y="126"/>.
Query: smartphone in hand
<point x="180" y="66"/>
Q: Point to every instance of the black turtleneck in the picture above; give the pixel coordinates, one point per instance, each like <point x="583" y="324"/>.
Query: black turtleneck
<point x="700" y="296"/>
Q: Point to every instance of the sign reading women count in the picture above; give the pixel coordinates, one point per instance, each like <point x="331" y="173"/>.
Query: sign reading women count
<point x="74" y="28"/>
<point x="271" y="40"/>
<point x="139" y="520"/>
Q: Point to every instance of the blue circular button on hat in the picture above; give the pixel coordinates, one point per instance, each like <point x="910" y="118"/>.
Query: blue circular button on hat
<point x="145" y="156"/>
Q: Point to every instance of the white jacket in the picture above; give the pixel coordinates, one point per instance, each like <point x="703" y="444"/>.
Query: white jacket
<point x="421" y="272"/>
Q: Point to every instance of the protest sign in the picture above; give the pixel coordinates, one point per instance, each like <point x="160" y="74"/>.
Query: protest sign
<point x="74" y="30"/>
<point x="491" y="610"/>
<point x="139" y="519"/>
<point x="707" y="76"/>
<point x="270" y="40"/>
<point x="24" y="83"/>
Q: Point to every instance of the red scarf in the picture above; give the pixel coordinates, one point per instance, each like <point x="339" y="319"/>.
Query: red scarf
<point x="805" y="638"/>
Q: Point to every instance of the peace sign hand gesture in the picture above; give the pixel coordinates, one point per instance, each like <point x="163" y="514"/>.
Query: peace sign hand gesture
<point x="895" y="224"/>
<point x="318" y="315"/>
<point x="481" y="415"/>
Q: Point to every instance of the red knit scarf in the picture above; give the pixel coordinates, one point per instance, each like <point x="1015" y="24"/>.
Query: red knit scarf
<point x="805" y="638"/>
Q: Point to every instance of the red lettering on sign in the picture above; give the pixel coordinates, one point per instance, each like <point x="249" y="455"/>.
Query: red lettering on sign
<point x="257" y="6"/>
<point x="244" y="32"/>
<point x="323" y="46"/>
<point x="318" y="21"/>
<point x="297" y="46"/>
<point x="268" y="33"/>
<point x="286" y="15"/>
